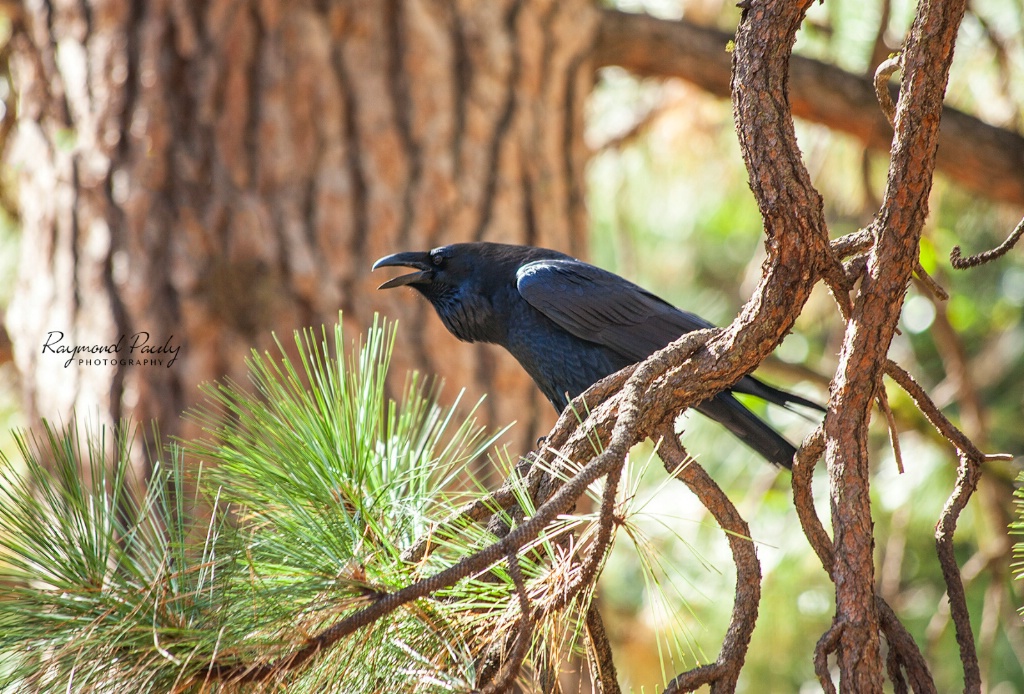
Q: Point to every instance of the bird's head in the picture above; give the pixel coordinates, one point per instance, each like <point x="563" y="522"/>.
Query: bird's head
<point x="426" y="263"/>
<point x="460" y="280"/>
<point x="440" y="273"/>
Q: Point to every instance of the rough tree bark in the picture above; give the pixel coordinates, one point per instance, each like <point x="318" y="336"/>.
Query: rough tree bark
<point x="897" y="231"/>
<point x="211" y="172"/>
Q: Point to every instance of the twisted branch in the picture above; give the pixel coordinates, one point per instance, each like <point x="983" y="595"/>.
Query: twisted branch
<point x="510" y="668"/>
<point x="828" y="643"/>
<point x="652" y="393"/>
<point x="961" y="263"/>
<point x="602" y="666"/>
<point x="886" y="69"/>
<point x="803" y="498"/>
<point x="903" y="650"/>
<point x="966" y="482"/>
<point x="724" y="672"/>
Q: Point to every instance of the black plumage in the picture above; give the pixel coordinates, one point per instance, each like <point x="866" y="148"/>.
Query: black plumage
<point x="569" y="324"/>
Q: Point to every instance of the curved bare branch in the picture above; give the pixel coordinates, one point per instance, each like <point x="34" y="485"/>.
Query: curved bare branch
<point x="723" y="674"/>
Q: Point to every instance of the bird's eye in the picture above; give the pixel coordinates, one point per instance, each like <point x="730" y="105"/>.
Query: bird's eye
<point x="437" y="259"/>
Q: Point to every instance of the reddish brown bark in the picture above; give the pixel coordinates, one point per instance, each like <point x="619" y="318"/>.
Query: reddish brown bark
<point x="876" y="309"/>
<point x="212" y="172"/>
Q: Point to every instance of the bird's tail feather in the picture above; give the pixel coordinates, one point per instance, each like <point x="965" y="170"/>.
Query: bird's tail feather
<point x="749" y="428"/>
<point x="749" y="385"/>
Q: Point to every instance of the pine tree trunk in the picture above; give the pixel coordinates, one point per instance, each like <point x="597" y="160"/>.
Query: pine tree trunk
<point x="208" y="173"/>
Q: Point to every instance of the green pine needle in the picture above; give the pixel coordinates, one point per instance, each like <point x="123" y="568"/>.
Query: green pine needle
<point x="313" y="483"/>
<point x="291" y="512"/>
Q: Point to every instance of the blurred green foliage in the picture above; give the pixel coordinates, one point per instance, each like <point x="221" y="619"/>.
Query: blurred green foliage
<point x="10" y="408"/>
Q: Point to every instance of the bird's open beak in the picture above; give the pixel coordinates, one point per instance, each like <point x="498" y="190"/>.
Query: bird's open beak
<point x="415" y="259"/>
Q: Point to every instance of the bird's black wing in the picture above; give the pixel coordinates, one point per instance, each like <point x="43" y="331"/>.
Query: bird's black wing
<point x="601" y="307"/>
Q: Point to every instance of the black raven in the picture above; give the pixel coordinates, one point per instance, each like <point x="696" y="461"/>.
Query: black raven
<point x="569" y="324"/>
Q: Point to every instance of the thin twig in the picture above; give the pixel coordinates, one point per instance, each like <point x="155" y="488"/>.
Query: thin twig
<point x="510" y="667"/>
<point x="835" y="275"/>
<point x="929" y="282"/>
<point x="803" y="498"/>
<point x="894" y="670"/>
<point x="597" y="552"/>
<point x="854" y="269"/>
<point x="828" y="643"/>
<point x="931" y="411"/>
<point x="839" y="283"/>
<point x="842" y="276"/>
<point x="901" y="642"/>
<point x="854" y="243"/>
<point x="894" y="432"/>
<point x="885" y="70"/>
<point x="961" y="263"/>
<point x="477" y="510"/>
<point x="966" y="482"/>
<point x="602" y="665"/>
<point x="599" y="548"/>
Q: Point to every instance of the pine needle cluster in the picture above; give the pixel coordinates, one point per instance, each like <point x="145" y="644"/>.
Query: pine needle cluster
<point x="294" y="509"/>
<point x="311" y="496"/>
